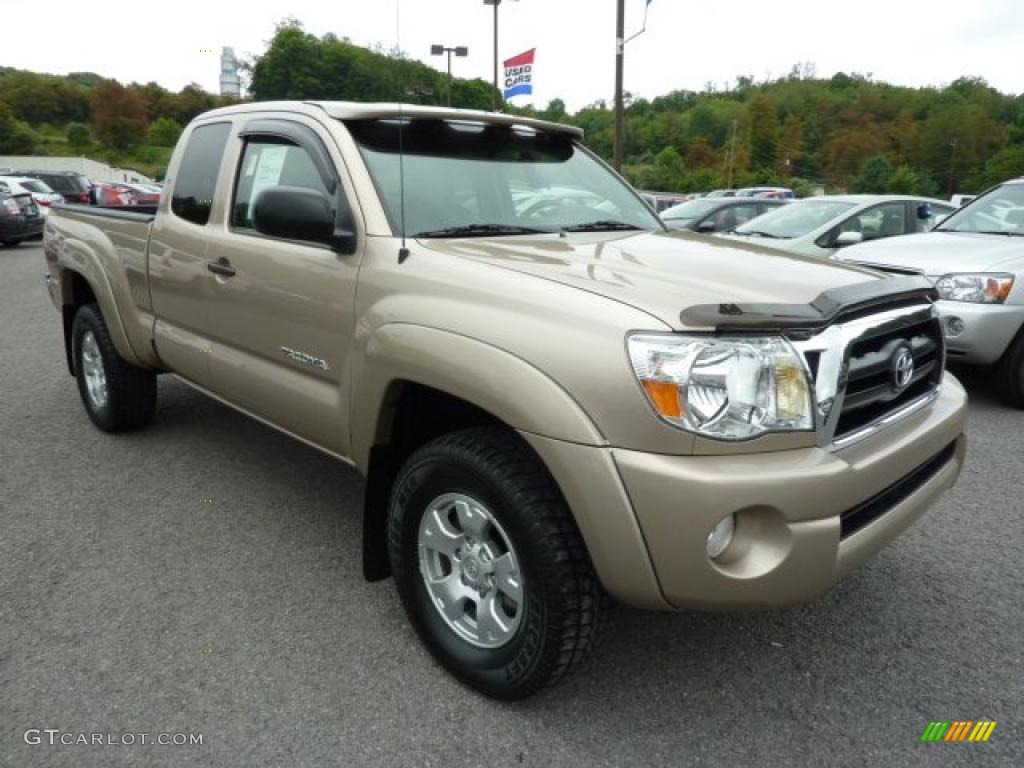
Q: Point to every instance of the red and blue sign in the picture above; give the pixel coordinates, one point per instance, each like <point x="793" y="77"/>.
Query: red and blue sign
<point x="519" y="74"/>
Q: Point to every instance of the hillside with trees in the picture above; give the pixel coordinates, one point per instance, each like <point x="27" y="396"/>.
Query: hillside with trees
<point x="844" y="132"/>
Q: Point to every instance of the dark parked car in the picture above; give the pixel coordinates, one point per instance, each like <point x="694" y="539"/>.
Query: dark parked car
<point x="717" y="214"/>
<point x="73" y="186"/>
<point x="19" y="218"/>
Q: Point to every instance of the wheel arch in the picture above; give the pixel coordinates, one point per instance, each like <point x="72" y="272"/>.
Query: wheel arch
<point x="78" y="288"/>
<point x="403" y="397"/>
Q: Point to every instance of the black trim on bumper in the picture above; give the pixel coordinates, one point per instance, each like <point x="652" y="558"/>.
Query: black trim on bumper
<point x="856" y="518"/>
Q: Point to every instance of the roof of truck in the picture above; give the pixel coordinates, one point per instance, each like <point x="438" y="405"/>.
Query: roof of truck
<point x="351" y="110"/>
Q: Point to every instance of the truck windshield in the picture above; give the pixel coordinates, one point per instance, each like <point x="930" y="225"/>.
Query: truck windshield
<point x="999" y="212"/>
<point x="470" y="178"/>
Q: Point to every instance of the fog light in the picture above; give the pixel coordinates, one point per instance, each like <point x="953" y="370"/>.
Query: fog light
<point x="954" y="326"/>
<point x="720" y="537"/>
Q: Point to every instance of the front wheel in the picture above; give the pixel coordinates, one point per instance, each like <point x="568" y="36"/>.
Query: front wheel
<point x="1010" y="372"/>
<point x="489" y="564"/>
<point x="117" y="395"/>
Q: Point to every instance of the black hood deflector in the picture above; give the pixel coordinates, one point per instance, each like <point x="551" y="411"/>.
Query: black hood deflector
<point x="845" y="301"/>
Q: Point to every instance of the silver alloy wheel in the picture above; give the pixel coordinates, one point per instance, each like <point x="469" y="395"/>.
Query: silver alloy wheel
<point x="471" y="571"/>
<point x="92" y="368"/>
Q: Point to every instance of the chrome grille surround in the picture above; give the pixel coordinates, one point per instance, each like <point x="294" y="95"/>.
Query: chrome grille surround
<point x="828" y="356"/>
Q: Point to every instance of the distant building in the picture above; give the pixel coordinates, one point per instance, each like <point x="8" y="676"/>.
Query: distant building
<point x="94" y="170"/>
<point x="230" y="82"/>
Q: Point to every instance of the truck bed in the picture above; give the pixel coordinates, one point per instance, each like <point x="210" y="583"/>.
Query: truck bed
<point x="145" y="213"/>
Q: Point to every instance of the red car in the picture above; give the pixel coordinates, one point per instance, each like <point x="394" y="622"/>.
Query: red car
<point x="111" y="193"/>
<point x="145" y="194"/>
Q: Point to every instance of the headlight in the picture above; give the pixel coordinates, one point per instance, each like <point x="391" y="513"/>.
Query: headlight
<point x="726" y="388"/>
<point x="979" y="288"/>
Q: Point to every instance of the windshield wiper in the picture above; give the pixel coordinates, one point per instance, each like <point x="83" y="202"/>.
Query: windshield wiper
<point x="477" y="230"/>
<point x="603" y="225"/>
<point x="755" y="232"/>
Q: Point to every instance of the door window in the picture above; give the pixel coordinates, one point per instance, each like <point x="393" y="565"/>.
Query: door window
<point x="267" y="162"/>
<point x="881" y="221"/>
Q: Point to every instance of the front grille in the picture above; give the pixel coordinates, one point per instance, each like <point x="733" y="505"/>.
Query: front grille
<point x="854" y="519"/>
<point x="871" y="393"/>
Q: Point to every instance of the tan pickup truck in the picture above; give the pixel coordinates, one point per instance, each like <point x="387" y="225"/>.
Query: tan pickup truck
<point x="552" y="398"/>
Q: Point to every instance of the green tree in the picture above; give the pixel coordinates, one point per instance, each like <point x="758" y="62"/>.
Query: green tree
<point x="874" y="176"/>
<point x="15" y="138"/>
<point x="164" y="132"/>
<point x="904" y="181"/>
<point x="79" y="138"/>
<point x="119" y="116"/>
<point x="764" y="132"/>
<point x="1004" y="165"/>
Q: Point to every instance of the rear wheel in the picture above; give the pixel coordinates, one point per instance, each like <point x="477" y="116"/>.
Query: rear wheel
<point x="1010" y="372"/>
<point x="489" y="564"/>
<point x="117" y="395"/>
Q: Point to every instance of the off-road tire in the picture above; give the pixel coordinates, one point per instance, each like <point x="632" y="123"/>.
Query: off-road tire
<point x="564" y="601"/>
<point x="131" y="391"/>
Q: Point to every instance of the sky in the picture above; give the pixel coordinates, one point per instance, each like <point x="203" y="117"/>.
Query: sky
<point x="686" y="45"/>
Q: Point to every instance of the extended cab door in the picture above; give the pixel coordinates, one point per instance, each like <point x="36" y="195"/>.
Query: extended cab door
<point x="283" y="309"/>
<point x="180" y="283"/>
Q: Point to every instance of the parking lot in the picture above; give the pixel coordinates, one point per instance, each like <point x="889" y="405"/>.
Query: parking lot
<point x="204" y="577"/>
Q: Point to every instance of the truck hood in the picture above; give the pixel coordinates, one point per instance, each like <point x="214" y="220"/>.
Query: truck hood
<point x="937" y="253"/>
<point x="663" y="273"/>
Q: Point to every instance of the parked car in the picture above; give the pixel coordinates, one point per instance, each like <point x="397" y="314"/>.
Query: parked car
<point x="145" y="194"/>
<point x="776" y="193"/>
<point x="960" y="201"/>
<point x="976" y="260"/>
<point x="717" y="214"/>
<point x="819" y="226"/>
<point x="74" y="187"/>
<point x="659" y="201"/>
<point x="112" y="194"/>
<point x="19" y="218"/>
<point x="546" y="403"/>
<point x="41" y="193"/>
<point x="721" y="193"/>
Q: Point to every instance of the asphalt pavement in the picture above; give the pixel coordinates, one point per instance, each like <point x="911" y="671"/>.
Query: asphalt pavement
<point x="203" y="577"/>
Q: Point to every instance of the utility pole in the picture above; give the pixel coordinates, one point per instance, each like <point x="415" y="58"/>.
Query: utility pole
<point x="620" y="118"/>
<point x="732" y="155"/>
<point x="952" y="166"/>
<point x="620" y="52"/>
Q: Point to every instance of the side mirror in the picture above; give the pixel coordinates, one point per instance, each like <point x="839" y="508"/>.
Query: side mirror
<point x="299" y="213"/>
<point x="707" y="226"/>
<point x="848" y="238"/>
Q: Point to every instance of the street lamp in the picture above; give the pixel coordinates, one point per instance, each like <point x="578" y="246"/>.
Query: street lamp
<point x="440" y="50"/>
<point x="497" y="92"/>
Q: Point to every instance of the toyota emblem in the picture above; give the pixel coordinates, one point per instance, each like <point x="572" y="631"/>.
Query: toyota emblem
<point x="902" y="368"/>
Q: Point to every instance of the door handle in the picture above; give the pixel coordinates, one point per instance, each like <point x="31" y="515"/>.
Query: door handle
<point x="221" y="267"/>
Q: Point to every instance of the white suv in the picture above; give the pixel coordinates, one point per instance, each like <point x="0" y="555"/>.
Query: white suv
<point x="975" y="258"/>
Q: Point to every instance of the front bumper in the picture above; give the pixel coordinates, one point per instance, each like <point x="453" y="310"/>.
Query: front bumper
<point x="988" y="330"/>
<point x="647" y="534"/>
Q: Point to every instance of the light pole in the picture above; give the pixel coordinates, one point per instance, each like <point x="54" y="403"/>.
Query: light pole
<point x="440" y="50"/>
<point x="497" y="91"/>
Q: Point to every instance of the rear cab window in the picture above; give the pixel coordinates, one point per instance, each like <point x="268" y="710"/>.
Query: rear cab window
<point x="197" y="175"/>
